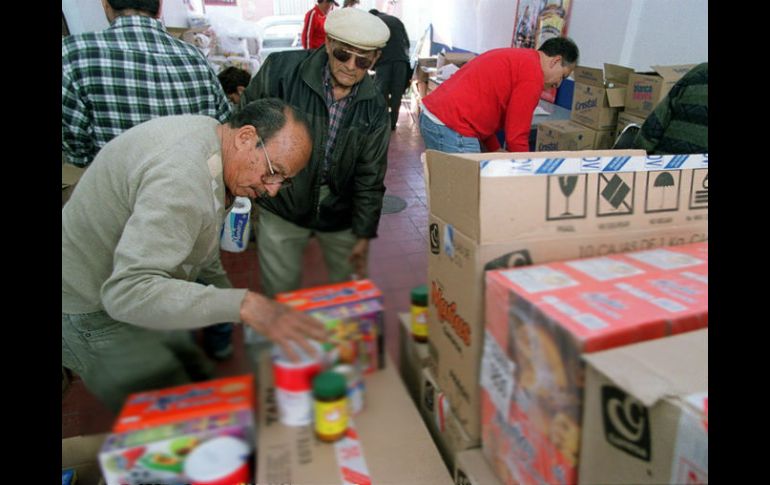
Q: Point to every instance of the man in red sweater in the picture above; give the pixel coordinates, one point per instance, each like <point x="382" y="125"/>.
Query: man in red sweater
<point x="497" y="90"/>
<point x="313" y="32"/>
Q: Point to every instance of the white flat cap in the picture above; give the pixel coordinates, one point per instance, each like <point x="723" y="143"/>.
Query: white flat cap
<point x="357" y="27"/>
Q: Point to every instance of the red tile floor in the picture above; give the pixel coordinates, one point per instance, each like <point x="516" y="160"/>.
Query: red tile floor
<point x="397" y="263"/>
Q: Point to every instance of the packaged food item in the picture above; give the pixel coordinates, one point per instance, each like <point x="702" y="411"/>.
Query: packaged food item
<point x="293" y="384"/>
<point x="419" y="300"/>
<point x="331" y="406"/>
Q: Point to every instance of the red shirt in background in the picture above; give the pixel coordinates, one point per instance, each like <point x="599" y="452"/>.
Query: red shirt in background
<point x="313" y="32"/>
<point x="496" y="90"/>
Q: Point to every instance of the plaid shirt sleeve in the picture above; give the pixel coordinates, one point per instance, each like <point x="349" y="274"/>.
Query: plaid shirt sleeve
<point x="77" y="133"/>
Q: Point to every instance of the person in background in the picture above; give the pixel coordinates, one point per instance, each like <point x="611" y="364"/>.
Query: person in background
<point x="497" y="90"/>
<point x="234" y="81"/>
<point x="680" y="122"/>
<point x="313" y="31"/>
<point x="338" y="197"/>
<point x="127" y="74"/>
<point x="392" y="71"/>
<point x="130" y="262"/>
<point x="350" y="3"/>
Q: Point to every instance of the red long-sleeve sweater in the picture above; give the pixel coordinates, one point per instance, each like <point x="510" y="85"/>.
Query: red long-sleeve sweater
<point x="313" y="31"/>
<point x="498" y="89"/>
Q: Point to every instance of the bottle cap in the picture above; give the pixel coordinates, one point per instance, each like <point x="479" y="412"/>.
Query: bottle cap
<point x="419" y="295"/>
<point x="329" y="385"/>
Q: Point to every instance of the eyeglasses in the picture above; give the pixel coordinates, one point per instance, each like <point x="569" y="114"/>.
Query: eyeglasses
<point x="273" y="177"/>
<point x="343" y="55"/>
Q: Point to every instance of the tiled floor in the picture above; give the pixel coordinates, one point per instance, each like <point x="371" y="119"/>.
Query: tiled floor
<point x="397" y="263"/>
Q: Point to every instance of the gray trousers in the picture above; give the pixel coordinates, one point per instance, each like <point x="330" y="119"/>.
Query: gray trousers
<point x="115" y="359"/>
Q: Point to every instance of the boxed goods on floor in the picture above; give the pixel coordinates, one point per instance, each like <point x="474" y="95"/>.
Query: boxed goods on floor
<point x="645" y="413"/>
<point x="471" y="468"/>
<point x="446" y="430"/>
<point x="497" y="210"/>
<point x="647" y="89"/>
<point x="387" y="440"/>
<point x="194" y="433"/>
<point x="599" y="95"/>
<point x="560" y="135"/>
<point x="625" y="118"/>
<point x="79" y="459"/>
<point x="353" y="310"/>
<point x="413" y="357"/>
<point x="542" y="320"/>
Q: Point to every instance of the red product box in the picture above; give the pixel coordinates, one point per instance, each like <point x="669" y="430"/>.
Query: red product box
<point x="182" y="403"/>
<point x="354" y="310"/>
<point x="541" y="319"/>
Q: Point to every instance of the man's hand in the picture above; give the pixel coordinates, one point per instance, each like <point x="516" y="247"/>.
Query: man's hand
<point x="282" y="324"/>
<point x="359" y="257"/>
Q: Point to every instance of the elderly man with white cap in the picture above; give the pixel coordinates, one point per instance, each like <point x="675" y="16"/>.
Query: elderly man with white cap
<point x="338" y="196"/>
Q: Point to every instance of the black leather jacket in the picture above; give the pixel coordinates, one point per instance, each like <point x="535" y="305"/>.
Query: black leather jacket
<point x="358" y="162"/>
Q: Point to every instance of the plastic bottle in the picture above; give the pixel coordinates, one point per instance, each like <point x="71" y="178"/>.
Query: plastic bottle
<point x="419" y="298"/>
<point x="331" y="406"/>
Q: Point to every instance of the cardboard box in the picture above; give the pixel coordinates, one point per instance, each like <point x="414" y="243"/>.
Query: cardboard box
<point x="599" y="95"/>
<point x="181" y="403"/>
<point x="625" y="118"/>
<point x="542" y="320"/>
<point x="647" y="89"/>
<point x="70" y="175"/>
<point x="81" y="453"/>
<point x="495" y="210"/>
<point x="561" y="135"/>
<point x="471" y="468"/>
<point x="645" y="416"/>
<point x="446" y="430"/>
<point x="433" y="83"/>
<point x="354" y="310"/>
<point x="165" y="453"/>
<point x="397" y="447"/>
<point x="413" y="357"/>
<point x="456" y="58"/>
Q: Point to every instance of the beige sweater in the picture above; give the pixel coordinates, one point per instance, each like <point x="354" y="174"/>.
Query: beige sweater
<point x="143" y="224"/>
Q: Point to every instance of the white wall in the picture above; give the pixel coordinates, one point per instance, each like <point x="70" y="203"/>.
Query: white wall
<point x="84" y="15"/>
<point x="635" y="33"/>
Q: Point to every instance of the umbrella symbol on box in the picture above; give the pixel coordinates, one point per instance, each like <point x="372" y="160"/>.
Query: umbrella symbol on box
<point x="664" y="180"/>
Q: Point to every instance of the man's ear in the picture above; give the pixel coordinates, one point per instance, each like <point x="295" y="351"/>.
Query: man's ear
<point x="246" y="137"/>
<point x="556" y="60"/>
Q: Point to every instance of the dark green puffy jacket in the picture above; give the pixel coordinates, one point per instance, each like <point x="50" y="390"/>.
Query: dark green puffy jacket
<point x="358" y="162"/>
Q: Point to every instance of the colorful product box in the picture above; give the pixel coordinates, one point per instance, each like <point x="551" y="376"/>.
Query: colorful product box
<point x="182" y="403"/>
<point x="542" y="319"/>
<point x="182" y="452"/>
<point x="354" y="310"/>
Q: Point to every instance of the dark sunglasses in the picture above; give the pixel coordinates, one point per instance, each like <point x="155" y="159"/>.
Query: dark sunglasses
<point x="343" y="55"/>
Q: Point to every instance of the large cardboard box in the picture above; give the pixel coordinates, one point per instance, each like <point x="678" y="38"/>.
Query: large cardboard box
<point x="413" y="357"/>
<point x="81" y="453"/>
<point x="471" y="468"/>
<point x="562" y="135"/>
<point x="599" y="95"/>
<point x="647" y="89"/>
<point x="496" y="210"/>
<point x="540" y="323"/>
<point x="397" y="447"/>
<point x="645" y="416"/>
<point x="446" y="430"/>
<point x="456" y="58"/>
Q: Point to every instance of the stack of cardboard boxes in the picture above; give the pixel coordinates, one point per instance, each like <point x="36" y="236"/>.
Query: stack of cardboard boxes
<point x="647" y="89"/>
<point x="424" y="79"/>
<point x="597" y="99"/>
<point x="502" y="210"/>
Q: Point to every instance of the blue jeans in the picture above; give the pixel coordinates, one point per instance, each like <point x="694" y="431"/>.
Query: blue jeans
<point x="444" y="139"/>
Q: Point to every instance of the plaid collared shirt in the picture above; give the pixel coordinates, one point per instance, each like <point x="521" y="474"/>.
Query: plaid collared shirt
<point x="336" y="112"/>
<point x="129" y="73"/>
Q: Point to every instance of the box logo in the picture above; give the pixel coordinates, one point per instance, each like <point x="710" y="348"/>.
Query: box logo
<point x="616" y="194"/>
<point x="560" y="190"/>
<point x="429" y="397"/>
<point x="510" y="260"/>
<point x="662" y="194"/>
<point x="447" y="312"/>
<point x="699" y="189"/>
<point x="626" y="423"/>
<point x="434" y="239"/>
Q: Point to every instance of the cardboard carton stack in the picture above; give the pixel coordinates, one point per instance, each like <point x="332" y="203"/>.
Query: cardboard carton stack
<point x="544" y="321"/>
<point x="498" y="210"/>
<point x="598" y="97"/>
<point x="645" y="90"/>
<point x="645" y="413"/>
